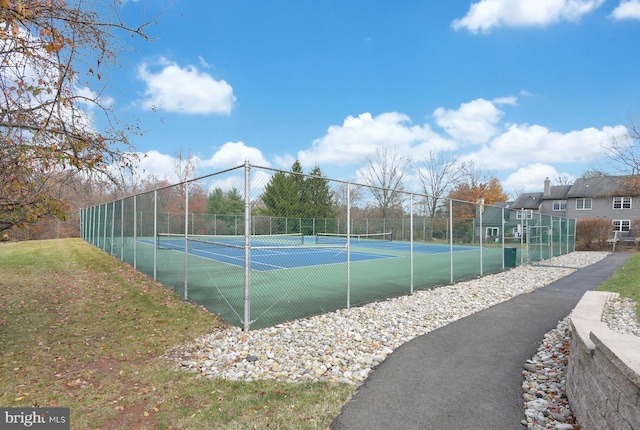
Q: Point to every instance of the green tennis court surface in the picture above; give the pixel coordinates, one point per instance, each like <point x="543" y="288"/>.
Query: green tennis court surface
<point x="307" y="276"/>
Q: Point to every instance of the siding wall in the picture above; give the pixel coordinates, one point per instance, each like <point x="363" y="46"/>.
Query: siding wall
<point x="603" y="207"/>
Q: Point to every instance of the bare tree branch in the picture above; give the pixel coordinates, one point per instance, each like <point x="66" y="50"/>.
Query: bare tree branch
<point x="46" y="131"/>
<point x="385" y="174"/>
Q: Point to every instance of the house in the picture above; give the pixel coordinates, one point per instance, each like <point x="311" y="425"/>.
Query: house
<point x="605" y="197"/>
<point x="551" y="201"/>
<point x="492" y="221"/>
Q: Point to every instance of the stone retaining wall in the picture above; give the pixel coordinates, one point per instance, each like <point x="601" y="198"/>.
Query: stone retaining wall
<point x="603" y="375"/>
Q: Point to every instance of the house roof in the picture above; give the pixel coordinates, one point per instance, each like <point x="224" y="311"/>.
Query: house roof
<point x="558" y="192"/>
<point x="527" y="201"/>
<point x="597" y="187"/>
<point x="493" y="214"/>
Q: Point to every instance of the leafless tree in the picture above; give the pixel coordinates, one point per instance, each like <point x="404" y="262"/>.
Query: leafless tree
<point x="354" y="195"/>
<point x="624" y="151"/>
<point x="563" y="180"/>
<point x="384" y="175"/>
<point x="438" y="172"/>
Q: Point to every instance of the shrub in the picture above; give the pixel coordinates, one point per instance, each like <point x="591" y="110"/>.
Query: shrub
<point x="592" y="233"/>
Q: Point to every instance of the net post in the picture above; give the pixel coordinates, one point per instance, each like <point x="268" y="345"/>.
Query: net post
<point x="247" y="245"/>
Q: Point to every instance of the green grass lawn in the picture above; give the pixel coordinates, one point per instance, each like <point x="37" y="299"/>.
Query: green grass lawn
<point x="626" y="281"/>
<point x="80" y="329"/>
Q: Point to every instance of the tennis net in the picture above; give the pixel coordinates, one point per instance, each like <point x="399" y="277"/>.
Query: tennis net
<point x="337" y="238"/>
<point x="177" y="241"/>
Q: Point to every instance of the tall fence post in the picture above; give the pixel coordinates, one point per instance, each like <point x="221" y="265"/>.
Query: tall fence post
<point x="349" y="246"/>
<point x="502" y="234"/>
<point x="480" y="204"/>
<point x="186" y="239"/>
<point x="411" y="241"/>
<point x="451" y="239"/>
<point x="122" y="229"/>
<point x="113" y="224"/>
<point x="155" y="235"/>
<point x="247" y="245"/>
<point x="135" y="232"/>
<point x="97" y="229"/>
<point x="104" y="228"/>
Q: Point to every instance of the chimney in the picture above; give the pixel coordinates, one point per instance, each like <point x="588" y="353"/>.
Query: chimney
<point x="547" y="187"/>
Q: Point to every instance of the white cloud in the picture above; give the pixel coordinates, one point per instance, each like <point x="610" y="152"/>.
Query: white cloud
<point x="154" y="163"/>
<point x="474" y="122"/>
<point x="259" y="180"/>
<point x="88" y="98"/>
<point x="525" y="144"/>
<point x="486" y="14"/>
<point x="627" y="9"/>
<point x="284" y="161"/>
<point x="530" y="178"/>
<point x="358" y="137"/>
<point x="185" y="90"/>
<point x="234" y="154"/>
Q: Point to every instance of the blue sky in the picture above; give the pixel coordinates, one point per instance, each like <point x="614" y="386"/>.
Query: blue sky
<point x="527" y="89"/>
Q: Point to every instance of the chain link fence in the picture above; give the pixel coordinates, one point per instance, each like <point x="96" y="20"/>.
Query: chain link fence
<point x="260" y="246"/>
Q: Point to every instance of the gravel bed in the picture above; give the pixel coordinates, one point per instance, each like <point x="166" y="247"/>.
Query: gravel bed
<point x="345" y="345"/>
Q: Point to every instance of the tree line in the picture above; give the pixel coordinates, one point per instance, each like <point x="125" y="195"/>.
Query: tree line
<point x="55" y="62"/>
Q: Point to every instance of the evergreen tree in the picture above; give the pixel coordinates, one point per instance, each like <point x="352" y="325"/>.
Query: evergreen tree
<point x="295" y="196"/>
<point x="319" y="197"/>
<point x="220" y="202"/>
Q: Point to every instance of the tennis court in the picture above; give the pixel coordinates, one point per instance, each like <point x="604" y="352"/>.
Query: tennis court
<point x="294" y="276"/>
<point x="291" y="261"/>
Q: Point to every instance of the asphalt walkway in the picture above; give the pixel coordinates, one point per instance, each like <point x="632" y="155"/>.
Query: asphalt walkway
<point x="468" y="374"/>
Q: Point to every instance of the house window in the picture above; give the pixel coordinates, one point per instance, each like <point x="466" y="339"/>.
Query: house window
<point x="493" y="232"/>
<point x="621" y="225"/>
<point x="559" y="205"/>
<point x="622" y="202"/>
<point x="524" y="214"/>
<point x="583" y="204"/>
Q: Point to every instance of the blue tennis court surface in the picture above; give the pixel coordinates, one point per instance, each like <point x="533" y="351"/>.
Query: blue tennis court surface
<point x="306" y="254"/>
<point x="263" y="259"/>
<point x="422" y="248"/>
